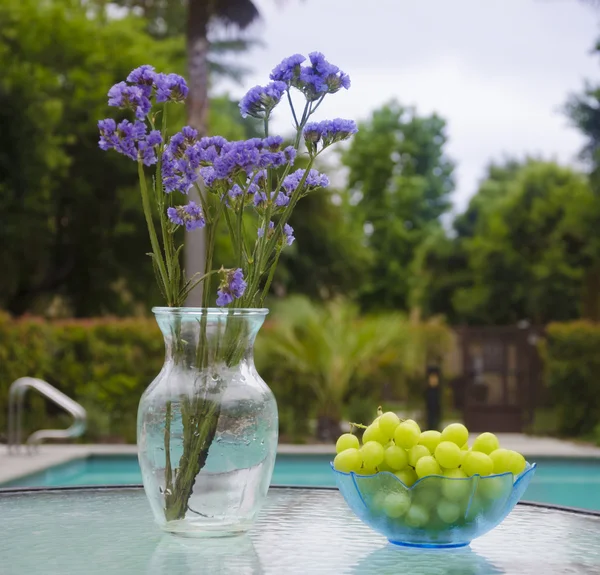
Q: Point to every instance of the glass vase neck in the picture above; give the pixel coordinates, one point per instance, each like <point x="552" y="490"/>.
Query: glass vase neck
<point x="205" y="337"/>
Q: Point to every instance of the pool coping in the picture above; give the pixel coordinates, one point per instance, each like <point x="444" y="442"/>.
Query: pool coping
<point x="138" y="487"/>
<point x="23" y="464"/>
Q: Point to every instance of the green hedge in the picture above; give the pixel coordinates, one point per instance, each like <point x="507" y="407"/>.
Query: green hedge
<point x="571" y="353"/>
<point x="105" y="365"/>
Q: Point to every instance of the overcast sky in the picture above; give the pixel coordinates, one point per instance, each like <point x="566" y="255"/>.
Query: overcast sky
<point x="498" y="71"/>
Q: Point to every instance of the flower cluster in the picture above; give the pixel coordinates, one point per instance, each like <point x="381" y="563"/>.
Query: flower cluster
<point x="190" y="216"/>
<point x="260" y="100"/>
<point x="232" y="286"/>
<point x="185" y="159"/>
<point x="231" y="175"/>
<point x="319" y="78"/>
<point x="137" y="94"/>
<point x="129" y="139"/>
<point x="288" y="69"/>
<point x="327" y="132"/>
<point x="313" y="180"/>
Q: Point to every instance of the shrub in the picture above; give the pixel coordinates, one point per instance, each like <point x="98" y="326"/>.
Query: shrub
<point x="571" y="353"/>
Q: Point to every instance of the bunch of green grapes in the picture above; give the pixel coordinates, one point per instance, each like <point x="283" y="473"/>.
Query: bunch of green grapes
<point x="400" y="447"/>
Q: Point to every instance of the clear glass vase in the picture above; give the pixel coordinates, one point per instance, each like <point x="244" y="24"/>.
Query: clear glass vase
<point x="207" y="425"/>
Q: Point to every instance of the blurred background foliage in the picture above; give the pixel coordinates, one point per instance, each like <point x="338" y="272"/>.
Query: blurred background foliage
<point x="361" y="302"/>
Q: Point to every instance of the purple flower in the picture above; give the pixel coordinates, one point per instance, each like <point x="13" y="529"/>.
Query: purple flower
<point x="184" y="155"/>
<point x="208" y="175"/>
<point x="313" y="180"/>
<point x="190" y="216"/>
<point x="232" y="287"/>
<point x="320" y="78"/>
<point x="170" y="88"/>
<point x="143" y="77"/>
<point x="288" y="69"/>
<point x="327" y="132"/>
<point x="261" y="231"/>
<point x="289" y="234"/>
<point x="273" y="143"/>
<point x="123" y="96"/>
<point x="260" y="100"/>
<point x="147" y="147"/>
<point x="129" y="139"/>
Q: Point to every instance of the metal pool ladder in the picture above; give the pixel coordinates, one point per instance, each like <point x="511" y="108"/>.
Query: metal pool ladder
<point x="16" y="394"/>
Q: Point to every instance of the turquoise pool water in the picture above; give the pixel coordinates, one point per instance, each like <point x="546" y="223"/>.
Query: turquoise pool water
<point x="570" y="482"/>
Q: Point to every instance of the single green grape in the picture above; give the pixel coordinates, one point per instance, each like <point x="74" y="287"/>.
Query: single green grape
<point x="430" y="439"/>
<point x="427" y="466"/>
<point x="448" y="454"/>
<point x="373" y="433"/>
<point x="501" y="460"/>
<point x="408" y="476"/>
<point x="486" y="443"/>
<point x="448" y="511"/>
<point x="396" y="458"/>
<point x="477" y="463"/>
<point x="372" y="454"/>
<point x="426" y="494"/>
<point x="417" y="516"/>
<point x="415" y="453"/>
<point x="492" y="488"/>
<point x="388" y="423"/>
<point x="456" y="433"/>
<point x="507" y="460"/>
<point x="517" y="463"/>
<point x="346" y="441"/>
<point x="407" y="435"/>
<point x="456" y="490"/>
<point x="396" y="504"/>
<point x="377" y="502"/>
<point x="348" y="460"/>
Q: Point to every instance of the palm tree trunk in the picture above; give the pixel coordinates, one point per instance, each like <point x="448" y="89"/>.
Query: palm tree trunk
<point x="199" y="12"/>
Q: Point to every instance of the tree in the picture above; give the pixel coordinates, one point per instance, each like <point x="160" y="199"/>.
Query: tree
<point x="526" y="250"/>
<point x="72" y="231"/>
<point x="584" y="112"/>
<point x="399" y="182"/>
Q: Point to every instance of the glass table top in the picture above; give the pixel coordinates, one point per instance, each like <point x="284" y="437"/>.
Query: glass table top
<point x="303" y="531"/>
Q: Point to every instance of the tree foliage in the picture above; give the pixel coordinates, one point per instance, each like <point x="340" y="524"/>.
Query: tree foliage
<point x="72" y="229"/>
<point x="400" y="180"/>
<point x="521" y="249"/>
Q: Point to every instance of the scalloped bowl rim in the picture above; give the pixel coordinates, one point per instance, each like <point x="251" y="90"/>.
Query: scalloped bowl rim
<point x="530" y="468"/>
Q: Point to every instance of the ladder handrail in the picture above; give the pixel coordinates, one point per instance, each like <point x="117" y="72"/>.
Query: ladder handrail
<point x="16" y="394"/>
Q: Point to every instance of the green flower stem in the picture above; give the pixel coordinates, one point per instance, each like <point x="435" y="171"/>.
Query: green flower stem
<point x="152" y="232"/>
<point x="200" y="419"/>
<point x="168" y="467"/>
<point x="271" y="275"/>
<point x="160" y="199"/>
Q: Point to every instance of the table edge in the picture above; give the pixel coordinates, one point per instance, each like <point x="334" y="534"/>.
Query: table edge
<point x="137" y="487"/>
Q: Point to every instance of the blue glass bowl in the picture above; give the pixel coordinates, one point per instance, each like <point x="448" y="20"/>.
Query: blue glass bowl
<point x="436" y="511"/>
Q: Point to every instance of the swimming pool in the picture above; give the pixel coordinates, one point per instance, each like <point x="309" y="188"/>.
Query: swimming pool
<point x="561" y="481"/>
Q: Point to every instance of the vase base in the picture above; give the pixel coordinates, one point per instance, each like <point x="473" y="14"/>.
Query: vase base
<point x="430" y="545"/>
<point x="205" y="529"/>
